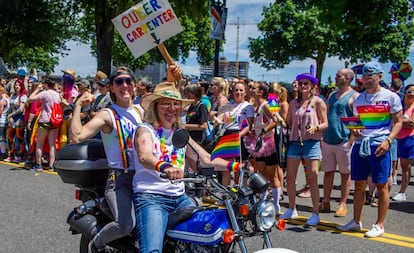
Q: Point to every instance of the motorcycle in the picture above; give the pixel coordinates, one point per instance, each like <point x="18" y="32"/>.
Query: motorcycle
<point x="194" y="229"/>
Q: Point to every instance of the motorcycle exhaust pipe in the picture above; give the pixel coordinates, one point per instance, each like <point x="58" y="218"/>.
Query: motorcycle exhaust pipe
<point x="85" y="224"/>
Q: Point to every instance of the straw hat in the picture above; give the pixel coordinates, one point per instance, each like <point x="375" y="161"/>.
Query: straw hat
<point x="71" y="72"/>
<point x="162" y="90"/>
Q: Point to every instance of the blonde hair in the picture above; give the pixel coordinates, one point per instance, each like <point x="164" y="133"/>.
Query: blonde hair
<point x="151" y="116"/>
<point x="223" y="84"/>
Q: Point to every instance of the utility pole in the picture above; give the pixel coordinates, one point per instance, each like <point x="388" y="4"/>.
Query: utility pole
<point x="222" y="6"/>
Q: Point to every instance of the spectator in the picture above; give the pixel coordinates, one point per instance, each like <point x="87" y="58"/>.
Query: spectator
<point x="360" y="87"/>
<point x="70" y="91"/>
<point x="48" y="96"/>
<point x="220" y="91"/>
<point x="406" y="142"/>
<point x="95" y="85"/>
<point x="307" y="120"/>
<point x="15" y="129"/>
<point x="144" y="86"/>
<point x="4" y="108"/>
<point x="370" y="154"/>
<point x="32" y="112"/>
<point x="336" y="144"/>
<point x="103" y="100"/>
<point x="84" y="86"/>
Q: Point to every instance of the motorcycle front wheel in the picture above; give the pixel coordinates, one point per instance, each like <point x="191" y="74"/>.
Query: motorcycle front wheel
<point x="84" y="243"/>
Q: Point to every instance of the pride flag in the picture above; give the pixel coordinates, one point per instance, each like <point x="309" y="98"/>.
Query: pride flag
<point x="352" y="123"/>
<point x="227" y="147"/>
<point x="273" y="102"/>
<point x="375" y="116"/>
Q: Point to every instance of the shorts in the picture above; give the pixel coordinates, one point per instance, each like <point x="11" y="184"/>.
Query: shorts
<point x="45" y="125"/>
<point x="336" y="155"/>
<point x="377" y="167"/>
<point x="311" y="149"/>
<point x="406" y="147"/>
<point x="269" y="160"/>
<point x="393" y="150"/>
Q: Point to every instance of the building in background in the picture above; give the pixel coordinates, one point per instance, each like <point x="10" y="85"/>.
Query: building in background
<point x="226" y="69"/>
<point x="155" y="72"/>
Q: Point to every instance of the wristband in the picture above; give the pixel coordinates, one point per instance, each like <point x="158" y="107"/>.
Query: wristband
<point x="389" y="141"/>
<point x="317" y="128"/>
<point x="160" y="166"/>
<point x="233" y="166"/>
<point x="263" y="130"/>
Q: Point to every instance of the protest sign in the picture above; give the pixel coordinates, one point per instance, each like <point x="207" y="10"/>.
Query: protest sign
<point x="147" y="25"/>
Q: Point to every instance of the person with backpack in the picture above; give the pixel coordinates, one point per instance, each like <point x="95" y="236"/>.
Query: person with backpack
<point x="48" y="125"/>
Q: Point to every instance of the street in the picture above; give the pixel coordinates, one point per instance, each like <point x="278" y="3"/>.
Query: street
<point x="34" y="208"/>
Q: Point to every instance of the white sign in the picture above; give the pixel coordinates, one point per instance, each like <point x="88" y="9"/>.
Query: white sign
<point x="147" y="24"/>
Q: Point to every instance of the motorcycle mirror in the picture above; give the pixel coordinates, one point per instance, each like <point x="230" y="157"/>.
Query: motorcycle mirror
<point x="180" y="138"/>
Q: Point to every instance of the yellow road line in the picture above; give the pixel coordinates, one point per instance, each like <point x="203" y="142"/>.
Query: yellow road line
<point x="21" y="165"/>
<point x="399" y="240"/>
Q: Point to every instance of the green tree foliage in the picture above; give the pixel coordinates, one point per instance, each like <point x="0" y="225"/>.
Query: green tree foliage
<point x="33" y="32"/>
<point x="316" y="29"/>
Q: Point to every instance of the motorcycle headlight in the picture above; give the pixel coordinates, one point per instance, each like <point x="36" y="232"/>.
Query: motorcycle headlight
<point x="264" y="215"/>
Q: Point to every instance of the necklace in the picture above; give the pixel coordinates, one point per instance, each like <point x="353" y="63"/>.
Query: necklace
<point x="371" y="100"/>
<point x="169" y="153"/>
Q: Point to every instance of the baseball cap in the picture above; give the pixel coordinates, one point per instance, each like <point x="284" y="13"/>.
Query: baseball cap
<point x="104" y="81"/>
<point x="372" y="68"/>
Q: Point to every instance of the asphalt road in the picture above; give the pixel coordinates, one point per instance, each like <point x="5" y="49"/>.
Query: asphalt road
<point x="34" y="207"/>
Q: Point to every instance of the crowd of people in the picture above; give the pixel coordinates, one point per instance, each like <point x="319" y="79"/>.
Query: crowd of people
<point x="301" y="128"/>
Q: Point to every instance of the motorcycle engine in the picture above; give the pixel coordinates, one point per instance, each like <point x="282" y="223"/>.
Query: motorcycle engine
<point x="184" y="247"/>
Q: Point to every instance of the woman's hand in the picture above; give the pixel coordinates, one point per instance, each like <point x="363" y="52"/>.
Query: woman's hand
<point x="174" y="173"/>
<point x="174" y="73"/>
<point x="85" y="99"/>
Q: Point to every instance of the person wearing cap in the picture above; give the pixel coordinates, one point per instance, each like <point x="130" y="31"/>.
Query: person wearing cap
<point x="156" y="197"/>
<point x="336" y="145"/>
<point x="307" y="119"/>
<point x="380" y="111"/>
<point x="100" y="75"/>
<point x="121" y="117"/>
<point x="406" y="142"/>
<point x="84" y="86"/>
<point x="103" y="100"/>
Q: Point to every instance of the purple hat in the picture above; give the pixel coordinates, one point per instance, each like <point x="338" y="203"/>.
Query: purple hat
<point x="308" y="76"/>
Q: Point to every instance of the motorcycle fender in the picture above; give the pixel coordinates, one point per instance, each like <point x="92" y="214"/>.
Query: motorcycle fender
<point x="85" y="224"/>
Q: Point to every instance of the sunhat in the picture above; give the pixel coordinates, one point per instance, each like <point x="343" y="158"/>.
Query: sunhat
<point x="71" y="72"/>
<point x="163" y="90"/>
<point x="309" y="76"/>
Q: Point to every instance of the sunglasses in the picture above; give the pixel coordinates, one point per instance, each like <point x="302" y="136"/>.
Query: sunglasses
<point x="409" y="92"/>
<point x="121" y="80"/>
<point x="303" y="83"/>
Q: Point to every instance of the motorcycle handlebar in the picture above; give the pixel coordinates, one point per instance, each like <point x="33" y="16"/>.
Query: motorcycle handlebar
<point x="189" y="176"/>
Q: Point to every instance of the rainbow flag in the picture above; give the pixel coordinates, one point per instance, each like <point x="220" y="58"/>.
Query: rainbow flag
<point x="244" y="124"/>
<point x="227" y="147"/>
<point x="375" y="116"/>
<point x="273" y="102"/>
<point x="352" y="123"/>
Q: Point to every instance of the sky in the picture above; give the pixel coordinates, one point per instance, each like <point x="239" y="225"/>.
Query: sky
<point x="249" y="14"/>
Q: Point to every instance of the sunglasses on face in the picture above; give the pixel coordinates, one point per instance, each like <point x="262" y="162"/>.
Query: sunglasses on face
<point x="121" y="80"/>
<point x="303" y="83"/>
<point x="409" y="92"/>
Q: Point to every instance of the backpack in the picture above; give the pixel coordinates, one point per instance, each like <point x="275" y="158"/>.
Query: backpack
<point x="56" y="116"/>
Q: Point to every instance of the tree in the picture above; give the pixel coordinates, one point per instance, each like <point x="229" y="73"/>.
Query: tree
<point x="34" y="32"/>
<point x="297" y="29"/>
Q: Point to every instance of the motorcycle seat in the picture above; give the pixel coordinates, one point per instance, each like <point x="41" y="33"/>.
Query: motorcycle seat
<point x="183" y="214"/>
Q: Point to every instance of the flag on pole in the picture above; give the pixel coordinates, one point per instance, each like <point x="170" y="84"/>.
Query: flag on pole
<point x="273" y="103"/>
<point x="227" y="147"/>
<point x="218" y="21"/>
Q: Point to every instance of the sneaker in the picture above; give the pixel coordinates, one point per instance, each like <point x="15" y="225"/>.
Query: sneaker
<point x="394" y="181"/>
<point x="375" y="231"/>
<point x="341" y="211"/>
<point x="400" y="197"/>
<point x="52" y="169"/>
<point x="8" y="159"/>
<point x="325" y="207"/>
<point x="289" y="214"/>
<point x="350" y="226"/>
<point x="18" y="159"/>
<point x="313" y="220"/>
<point x="374" y="203"/>
<point x="37" y="168"/>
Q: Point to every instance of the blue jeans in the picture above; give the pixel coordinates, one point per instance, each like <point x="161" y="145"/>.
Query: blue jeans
<point x="151" y="212"/>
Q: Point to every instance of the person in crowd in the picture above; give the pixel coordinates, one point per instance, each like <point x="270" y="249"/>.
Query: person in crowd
<point x="15" y="128"/>
<point x="236" y="117"/>
<point x="204" y="97"/>
<point x="3" y="82"/>
<point x="307" y="119"/>
<point x="155" y="197"/>
<point x="103" y="100"/>
<point x="144" y="86"/>
<point x="100" y="75"/>
<point x="336" y="145"/>
<point x="406" y="142"/>
<point x="360" y="87"/>
<point x="32" y="112"/>
<point x="84" y="86"/>
<point x="397" y="87"/>
<point x="70" y="91"/>
<point x="115" y="124"/>
<point x="48" y="96"/>
<point x="4" y="108"/>
<point x="264" y="121"/>
<point x="370" y="154"/>
<point x="220" y="91"/>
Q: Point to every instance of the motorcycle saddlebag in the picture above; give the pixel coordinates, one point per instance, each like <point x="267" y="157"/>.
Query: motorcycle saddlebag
<point x="83" y="164"/>
<point x="204" y="227"/>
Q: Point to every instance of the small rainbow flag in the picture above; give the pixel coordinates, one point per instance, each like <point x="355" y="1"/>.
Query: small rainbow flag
<point x="273" y="102"/>
<point x="244" y="124"/>
<point x="352" y="123"/>
<point x="227" y="147"/>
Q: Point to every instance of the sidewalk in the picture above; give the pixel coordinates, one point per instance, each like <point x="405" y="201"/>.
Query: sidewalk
<point x="400" y="216"/>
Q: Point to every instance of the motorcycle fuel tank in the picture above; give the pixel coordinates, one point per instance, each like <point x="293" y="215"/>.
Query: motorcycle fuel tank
<point x="204" y="227"/>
